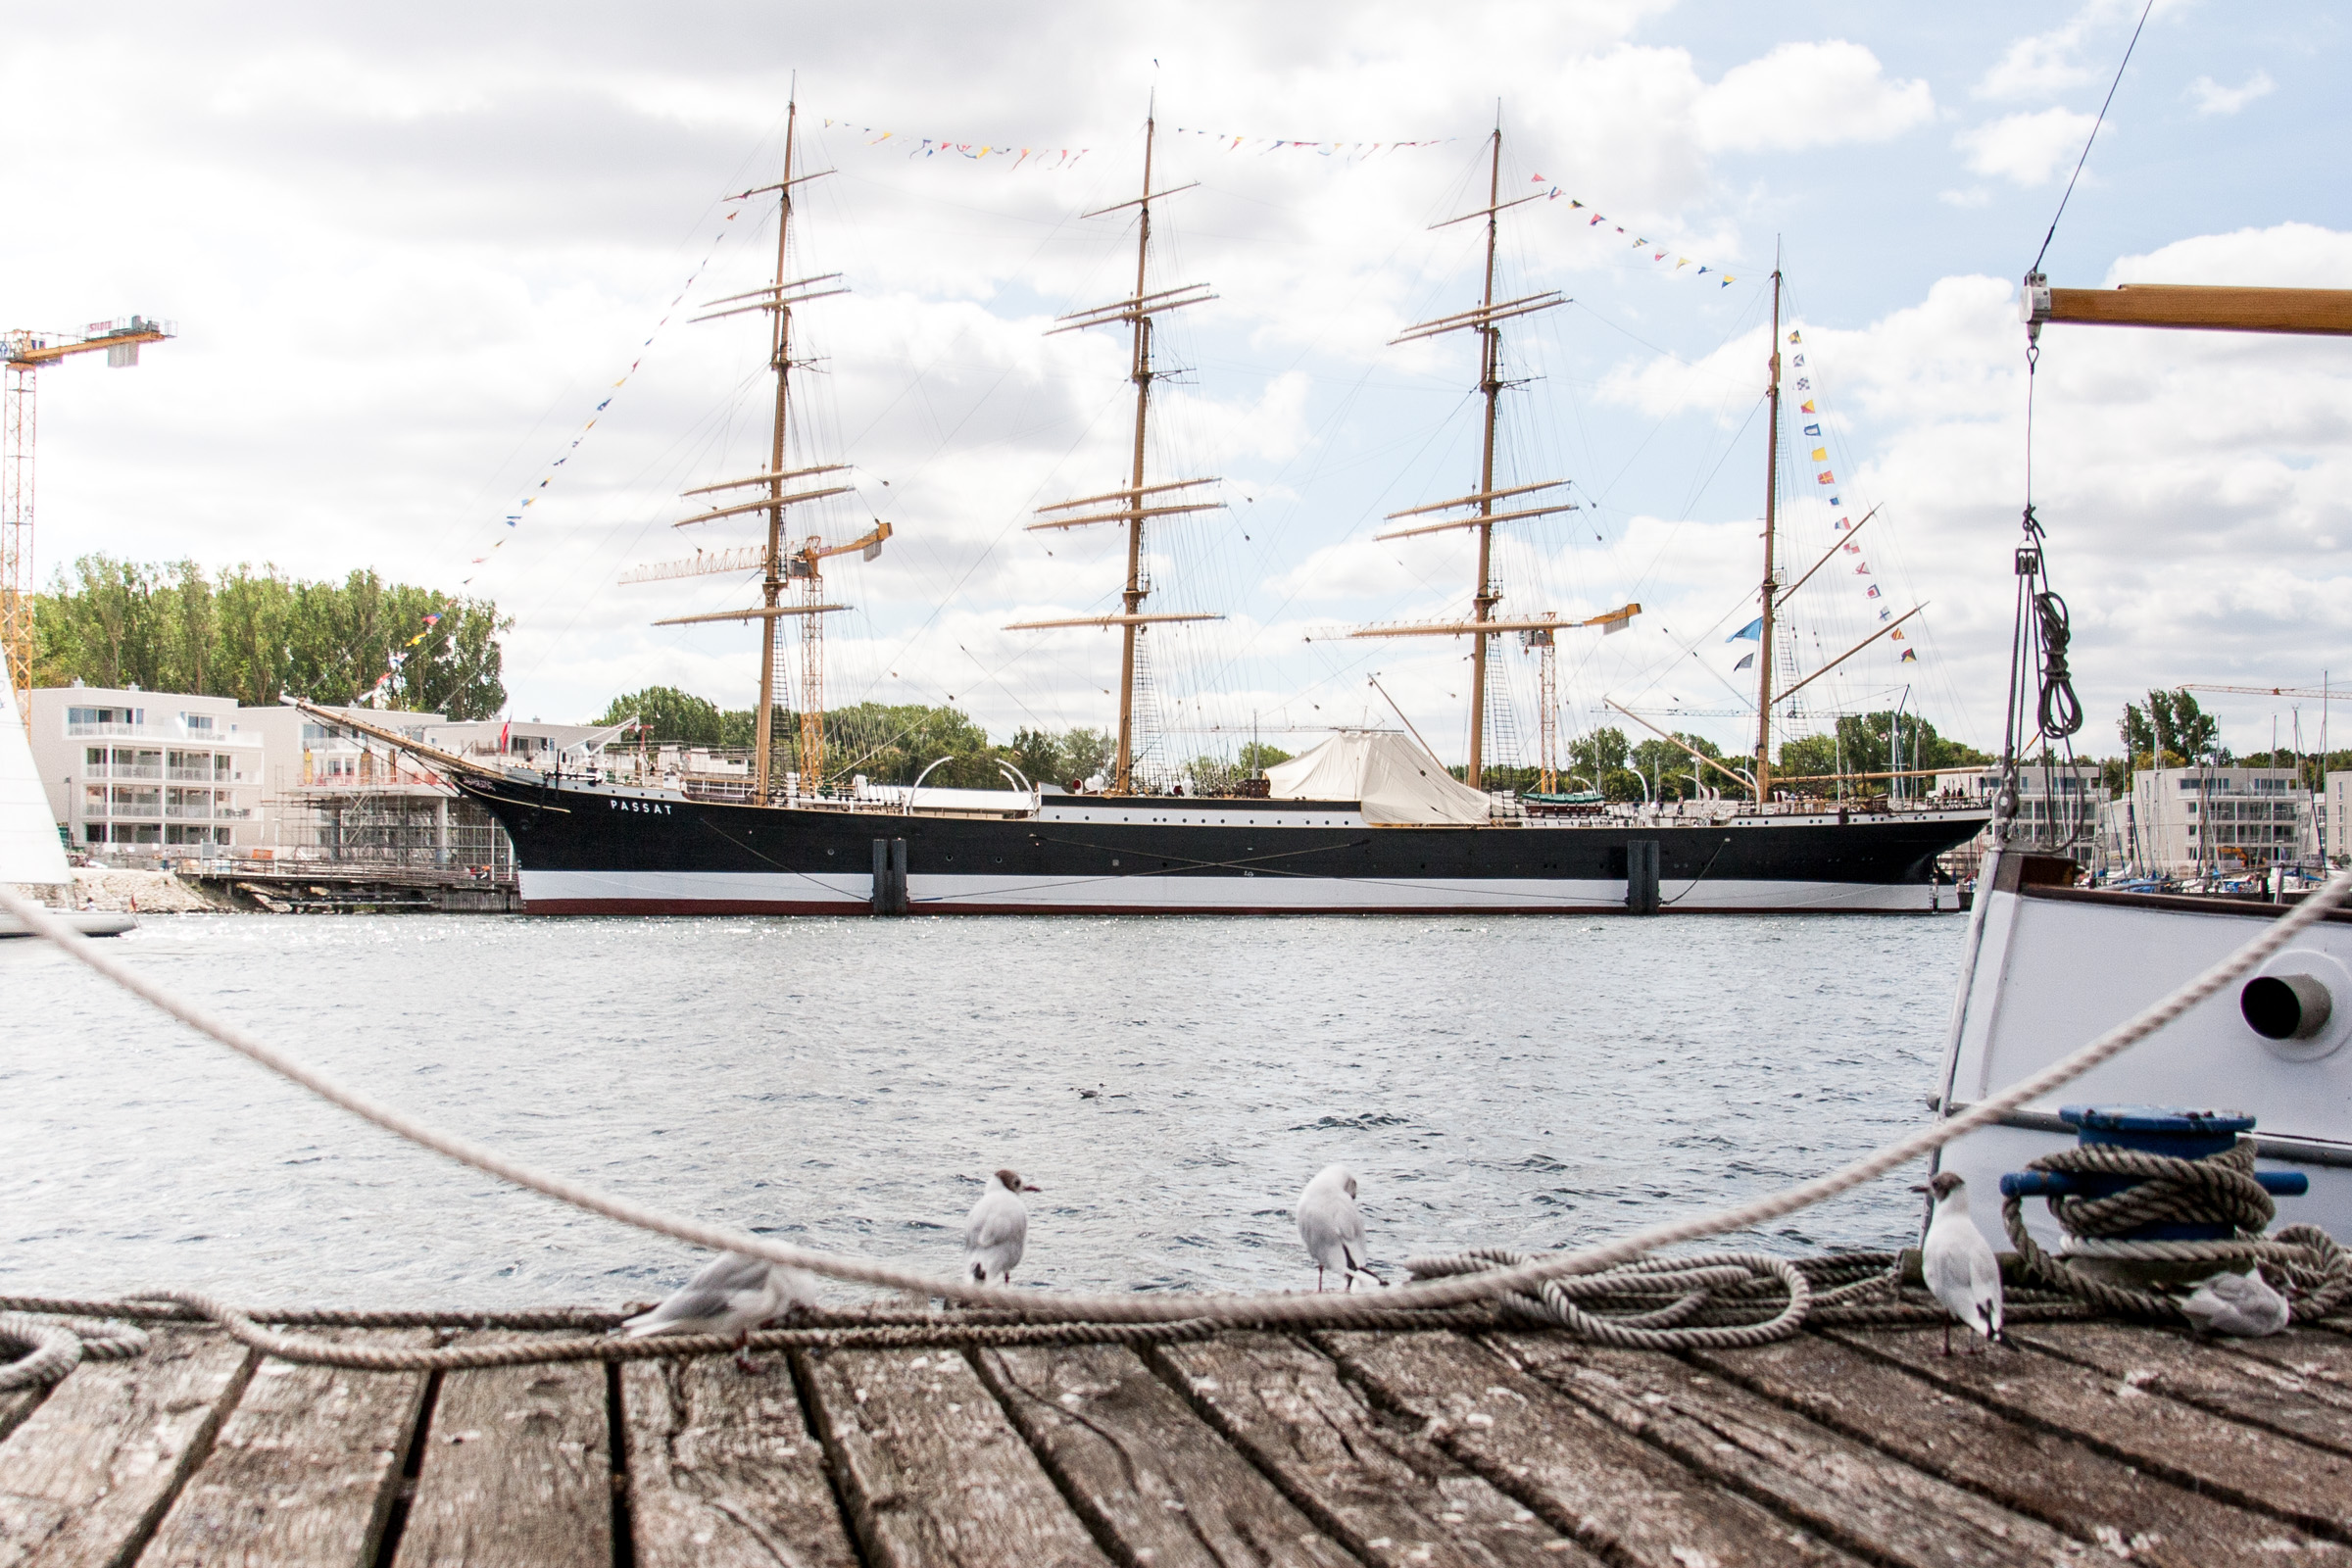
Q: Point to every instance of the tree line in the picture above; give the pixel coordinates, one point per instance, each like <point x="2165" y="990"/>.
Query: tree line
<point x="894" y="743"/>
<point x="250" y="634"/>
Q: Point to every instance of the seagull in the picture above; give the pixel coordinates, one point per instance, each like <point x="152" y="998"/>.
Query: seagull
<point x="997" y="1229"/>
<point x="1957" y="1263"/>
<point x="733" y="1294"/>
<point x="2241" y="1304"/>
<point x="1333" y="1226"/>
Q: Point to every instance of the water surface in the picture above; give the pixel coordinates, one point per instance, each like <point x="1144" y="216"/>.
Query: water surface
<point x="848" y="1083"/>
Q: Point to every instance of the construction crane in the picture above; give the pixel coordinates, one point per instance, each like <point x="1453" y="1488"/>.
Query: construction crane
<point x="806" y="567"/>
<point x="2323" y="693"/>
<point x="25" y="352"/>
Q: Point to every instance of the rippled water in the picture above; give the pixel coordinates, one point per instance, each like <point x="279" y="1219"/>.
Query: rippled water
<point x="849" y="1082"/>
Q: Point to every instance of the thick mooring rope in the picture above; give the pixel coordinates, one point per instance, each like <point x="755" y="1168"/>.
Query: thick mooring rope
<point x="1464" y="1280"/>
<point x="59" y="1344"/>
<point x="2316" y="1272"/>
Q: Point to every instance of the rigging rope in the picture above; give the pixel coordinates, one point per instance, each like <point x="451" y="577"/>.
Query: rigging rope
<point x="2104" y="105"/>
<point x="1463" y="1281"/>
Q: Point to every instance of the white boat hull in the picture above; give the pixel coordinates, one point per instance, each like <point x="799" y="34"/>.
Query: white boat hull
<point x="812" y="893"/>
<point x="2050" y="969"/>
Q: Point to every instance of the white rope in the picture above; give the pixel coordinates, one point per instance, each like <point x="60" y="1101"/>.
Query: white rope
<point x="1263" y="1310"/>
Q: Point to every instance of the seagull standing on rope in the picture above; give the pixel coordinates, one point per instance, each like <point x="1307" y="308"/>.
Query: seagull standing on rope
<point x="1957" y="1263"/>
<point x="1333" y="1226"/>
<point x="997" y="1230"/>
<point x="733" y="1294"/>
<point x="2241" y="1304"/>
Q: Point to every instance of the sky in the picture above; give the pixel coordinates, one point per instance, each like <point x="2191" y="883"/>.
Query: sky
<point x="410" y="254"/>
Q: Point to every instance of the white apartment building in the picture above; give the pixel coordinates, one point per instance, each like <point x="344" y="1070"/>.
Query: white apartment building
<point x="2058" y="808"/>
<point x="155" y="774"/>
<point x="2177" y="822"/>
<point x="148" y="770"/>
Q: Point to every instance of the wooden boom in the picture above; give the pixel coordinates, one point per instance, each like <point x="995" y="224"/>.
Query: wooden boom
<point x="2308" y="312"/>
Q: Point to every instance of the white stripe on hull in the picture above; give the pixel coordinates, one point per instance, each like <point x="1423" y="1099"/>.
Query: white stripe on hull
<point x="785" y="892"/>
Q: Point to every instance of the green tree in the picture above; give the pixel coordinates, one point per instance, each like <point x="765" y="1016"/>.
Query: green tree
<point x="1596" y="756"/>
<point x="1038" y="754"/>
<point x="252" y="635"/>
<point x="1669" y="766"/>
<point x="670" y="716"/>
<point x="2174" y="720"/>
<point x="1869" y="743"/>
<point x="1088" y="752"/>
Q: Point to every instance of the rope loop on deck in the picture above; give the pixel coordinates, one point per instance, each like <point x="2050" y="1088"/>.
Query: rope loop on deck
<point x="2221" y="1189"/>
<point x="59" y="1344"/>
<point x="1650" y="1305"/>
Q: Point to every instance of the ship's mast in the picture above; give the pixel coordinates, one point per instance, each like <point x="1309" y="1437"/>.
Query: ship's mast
<point x="1127" y="506"/>
<point x="1139" y="372"/>
<point x="778" y="565"/>
<point x="1483" y="626"/>
<point x="1489" y="381"/>
<point x="1772" y="494"/>
<point x="771" y="574"/>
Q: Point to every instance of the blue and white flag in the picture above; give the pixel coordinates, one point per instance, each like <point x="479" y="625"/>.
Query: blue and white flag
<point x="1753" y="631"/>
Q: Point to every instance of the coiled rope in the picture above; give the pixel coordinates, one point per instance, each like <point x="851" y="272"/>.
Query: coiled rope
<point x="1464" y="1280"/>
<point x="2221" y="1189"/>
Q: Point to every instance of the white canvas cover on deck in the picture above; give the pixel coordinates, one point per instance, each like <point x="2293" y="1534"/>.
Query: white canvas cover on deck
<point x="29" y="851"/>
<point x="1397" y="782"/>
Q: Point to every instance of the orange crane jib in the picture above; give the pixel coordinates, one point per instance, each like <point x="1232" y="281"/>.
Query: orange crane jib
<point x="46" y="348"/>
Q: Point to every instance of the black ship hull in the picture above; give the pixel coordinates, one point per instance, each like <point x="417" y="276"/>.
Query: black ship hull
<point x="602" y="848"/>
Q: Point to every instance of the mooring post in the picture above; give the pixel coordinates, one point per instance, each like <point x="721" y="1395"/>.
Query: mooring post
<point x="898" y="899"/>
<point x="1641" y="876"/>
<point x="881" y="891"/>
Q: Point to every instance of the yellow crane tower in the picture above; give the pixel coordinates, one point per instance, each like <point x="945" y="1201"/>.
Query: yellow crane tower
<point x="25" y="352"/>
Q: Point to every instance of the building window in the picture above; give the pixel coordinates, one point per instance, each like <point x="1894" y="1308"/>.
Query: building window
<point x="197" y="723"/>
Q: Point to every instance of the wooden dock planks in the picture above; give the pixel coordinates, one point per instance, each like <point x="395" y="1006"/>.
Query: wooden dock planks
<point x="724" y="1470"/>
<point x="934" y="1472"/>
<point x="2290" y="1481"/>
<point x="1868" y="1501"/>
<point x="2085" y="1442"/>
<point x="1607" y="1489"/>
<point x="304" y="1470"/>
<point x="2116" y="1506"/>
<point x="1142" y="1469"/>
<point x="517" y="1468"/>
<point x="85" y="1476"/>
<point x="1366" y="1475"/>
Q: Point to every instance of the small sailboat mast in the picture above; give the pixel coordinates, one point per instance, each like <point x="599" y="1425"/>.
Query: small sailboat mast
<point x="1127" y="506"/>
<point x="1772" y="496"/>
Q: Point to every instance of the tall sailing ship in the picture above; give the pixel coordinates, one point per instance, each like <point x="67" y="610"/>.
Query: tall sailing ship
<point x="1366" y="822"/>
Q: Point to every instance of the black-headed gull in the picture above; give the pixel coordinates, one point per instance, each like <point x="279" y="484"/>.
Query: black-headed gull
<point x="1333" y="1226"/>
<point x="1957" y="1263"/>
<point x="732" y="1293"/>
<point x="2239" y="1304"/>
<point x="997" y="1229"/>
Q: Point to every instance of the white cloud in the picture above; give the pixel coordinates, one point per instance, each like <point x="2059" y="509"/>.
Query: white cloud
<point x="2215" y="99"/>
<point x="2043" y="65"/>
<point x="1974" y="196"/>
<point x="1808" y="95"/>
<point x="2038" y="66"/>
<point x="2027" y="148"/>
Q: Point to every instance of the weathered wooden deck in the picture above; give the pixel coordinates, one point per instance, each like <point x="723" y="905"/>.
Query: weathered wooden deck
<point x="2085" y="1442"/>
